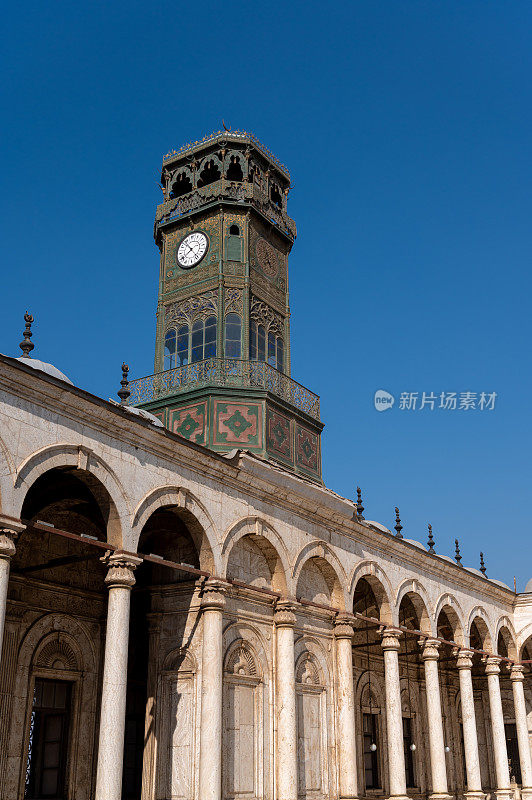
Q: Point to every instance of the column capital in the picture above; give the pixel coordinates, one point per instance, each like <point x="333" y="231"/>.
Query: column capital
<point x="464" y="659"/>
<point x="430" y="649"/>
<point x="213" y="595"/>
<point x="284" y="616"/>
<point x="493" y="665"/>
<point x="7" y="542"/>
<point x="120" y="568"/>
<point x="343" y="627"/>
<point x="390" y="638"/>
<point x="517" y="672"/>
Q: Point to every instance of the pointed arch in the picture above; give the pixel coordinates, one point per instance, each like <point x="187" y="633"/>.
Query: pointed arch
<point x="193" y="513"/>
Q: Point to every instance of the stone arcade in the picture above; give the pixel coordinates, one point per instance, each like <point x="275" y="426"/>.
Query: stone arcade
<point x="186" y="612"/>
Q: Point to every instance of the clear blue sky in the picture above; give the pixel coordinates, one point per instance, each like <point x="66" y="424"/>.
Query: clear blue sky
<point x="407" y="130"/>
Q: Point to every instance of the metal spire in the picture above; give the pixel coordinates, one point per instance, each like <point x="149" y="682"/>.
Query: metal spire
<point x="124" y="392"/>
<point x="457" y="557"/>
<point x="398" y="527"/>
<point x="26" y="345"/>
<point x="482" y="565"/>
<point x="360" y="507"/>
<point x="431" y="541"/>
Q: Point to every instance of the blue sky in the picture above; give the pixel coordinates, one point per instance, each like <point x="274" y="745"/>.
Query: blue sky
<point x="406" y="127"/>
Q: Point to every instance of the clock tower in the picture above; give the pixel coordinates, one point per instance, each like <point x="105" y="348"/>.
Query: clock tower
<point x="222" y="374"/>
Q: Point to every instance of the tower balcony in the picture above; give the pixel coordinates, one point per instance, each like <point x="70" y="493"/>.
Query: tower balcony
<point x="232" y="191"/>
<point x="228" y="373"/>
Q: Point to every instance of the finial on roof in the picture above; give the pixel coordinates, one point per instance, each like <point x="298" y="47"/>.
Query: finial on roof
<point x="225" y="127"/>
<point x="457" y="556"/>
<point x="482" y="565"/>
<point x="124" y="392"/>
<point x="431" y="541"/>
<point x="398" y="527"/>
<point x="360" y="507"/>
<point x="26" y="345"/>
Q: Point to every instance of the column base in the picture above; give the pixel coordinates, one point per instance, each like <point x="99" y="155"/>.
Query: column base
<point x="398" y="797"/>
<point x="504" y="794"/>
<point x="526" y="793"/>
<point x="473" y="795"/>
<point x="440" y="796"/>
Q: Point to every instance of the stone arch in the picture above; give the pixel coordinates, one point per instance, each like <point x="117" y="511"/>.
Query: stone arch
<point x="380" y="585"/>
<point x="310" y="647"/>
<point x="240" y="660"/>
<point x="268" y="542"/>
<point x="362" y="689"/>
<point x="180" y="660"/>
<point x="58" y="651"/>
<point x="86" y="461"/>
<point x="479" y="617"/>
<point x="525" y="642"/>
<point x="325" y="559"/>
<point x="192" y="512"/>
<point x="453" y="611"/>
<point x="417" y="594"/>
<point x="64" y="628"/>
<point x="505" y="630"/>
<point x="74" y="643"/>
<point x="244" y="634"/>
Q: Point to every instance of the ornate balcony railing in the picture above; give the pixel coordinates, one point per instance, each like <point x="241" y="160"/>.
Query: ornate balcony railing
<point x="233" y="372"/>
<point x="237" y="191"/>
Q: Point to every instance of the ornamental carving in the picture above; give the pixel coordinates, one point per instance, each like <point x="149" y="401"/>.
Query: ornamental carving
<point x="241" y="662"/>
<point x="234" y="301"/>
<point x="121" y="568"/>
<point x="307" y="671"/>
<point x="262" y="314"/>
<point x="57" y="654"/>
<point x="186" y="312"/>
<point x="7" y="543"/>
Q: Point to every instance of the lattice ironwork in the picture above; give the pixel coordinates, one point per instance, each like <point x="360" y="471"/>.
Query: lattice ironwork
<point x="225" y="372"/>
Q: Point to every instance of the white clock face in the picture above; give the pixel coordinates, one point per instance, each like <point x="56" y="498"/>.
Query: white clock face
<point x="192" y="249"/>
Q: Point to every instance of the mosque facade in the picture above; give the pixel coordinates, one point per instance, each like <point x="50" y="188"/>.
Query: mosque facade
<point x="186" y="611"/>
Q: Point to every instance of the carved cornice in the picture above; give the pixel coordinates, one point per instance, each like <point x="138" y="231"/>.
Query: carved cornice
<point x="120" y="569"/>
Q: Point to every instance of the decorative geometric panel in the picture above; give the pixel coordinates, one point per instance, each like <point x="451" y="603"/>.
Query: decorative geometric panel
<point x="278" y="436"/>
<point x="238" y="423"/>
<point x="306" y="448"/>
<point x="189" y="422"/>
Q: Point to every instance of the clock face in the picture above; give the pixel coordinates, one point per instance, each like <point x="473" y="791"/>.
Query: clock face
<point x="192" y="249"/>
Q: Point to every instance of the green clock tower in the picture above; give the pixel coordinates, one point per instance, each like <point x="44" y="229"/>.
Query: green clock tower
<point x="222" y="351"/>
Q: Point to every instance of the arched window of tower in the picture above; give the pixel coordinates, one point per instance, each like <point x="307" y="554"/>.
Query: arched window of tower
<point x="234" y="170"/>
<point x="233" y="334"/>
<point x="275" y="196"/>
<point x="182" y="185"/>
<point x="209" y="173"/>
